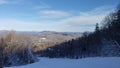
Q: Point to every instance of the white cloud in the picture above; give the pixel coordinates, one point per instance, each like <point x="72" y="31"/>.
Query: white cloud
<point x="85" y="21"/>
<point x="99" y="10"/>
<point x="80" y="23"/>
<point x="10" y="24"/>
<point x="3" y="2"/>
<point x="42" y="6"/>
<point x="53" y="14"/>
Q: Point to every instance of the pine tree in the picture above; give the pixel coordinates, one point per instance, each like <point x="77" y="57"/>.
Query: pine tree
<point x="97" y="27"/>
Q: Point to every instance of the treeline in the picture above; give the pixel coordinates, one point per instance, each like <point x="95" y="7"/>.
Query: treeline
<point x="86" y="46"/>
<point x="104" y="41"/>
<point x="15" y="49"/>
<point x="111" y="26"/>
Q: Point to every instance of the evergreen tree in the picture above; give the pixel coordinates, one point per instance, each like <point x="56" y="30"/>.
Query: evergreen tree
<point x="97" y="27"/>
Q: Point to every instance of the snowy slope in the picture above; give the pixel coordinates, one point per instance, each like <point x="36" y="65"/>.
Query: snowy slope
<point x="111" y="62"/>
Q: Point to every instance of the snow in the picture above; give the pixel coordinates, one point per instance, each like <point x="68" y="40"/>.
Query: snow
<point x="111" y="62"/>
<point x="43" y="38"/>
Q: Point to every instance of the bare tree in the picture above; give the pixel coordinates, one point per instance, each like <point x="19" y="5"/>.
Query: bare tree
<point x="16" y="46"/>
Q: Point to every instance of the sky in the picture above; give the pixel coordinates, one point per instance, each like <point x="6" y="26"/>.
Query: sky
<point x="54" y="15"/>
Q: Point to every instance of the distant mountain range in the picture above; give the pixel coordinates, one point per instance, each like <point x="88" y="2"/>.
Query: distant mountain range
<point x="43" y="32"/>
<point x="49" y="36"/>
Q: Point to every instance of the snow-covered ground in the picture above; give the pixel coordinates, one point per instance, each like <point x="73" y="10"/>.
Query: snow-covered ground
<point x="111" y="62"/>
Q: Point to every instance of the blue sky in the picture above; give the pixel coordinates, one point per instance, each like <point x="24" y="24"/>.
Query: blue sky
<point x="54" y="15"/>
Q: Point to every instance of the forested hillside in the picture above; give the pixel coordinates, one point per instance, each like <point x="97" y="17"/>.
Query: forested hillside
<point x="104" y="41"/>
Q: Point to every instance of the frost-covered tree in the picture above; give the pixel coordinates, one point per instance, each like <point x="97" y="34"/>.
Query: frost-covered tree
<point x="15" y="49"/>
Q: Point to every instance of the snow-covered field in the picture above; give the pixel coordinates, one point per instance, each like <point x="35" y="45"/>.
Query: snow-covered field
<point x="111" y="62"/>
